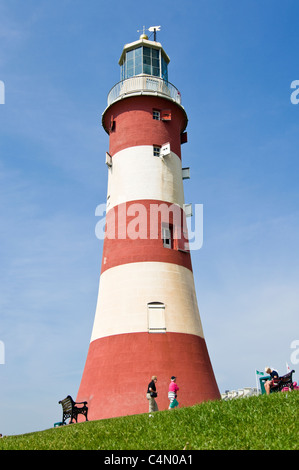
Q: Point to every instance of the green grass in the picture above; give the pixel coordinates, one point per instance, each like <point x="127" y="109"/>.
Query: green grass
<point x="264" y="422"/>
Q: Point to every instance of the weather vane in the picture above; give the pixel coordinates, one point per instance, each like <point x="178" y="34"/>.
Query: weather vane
<point x="152" y="29"/>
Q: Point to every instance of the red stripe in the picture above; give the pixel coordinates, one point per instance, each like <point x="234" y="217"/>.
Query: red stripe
<point x="134" y="124"/>
<point x="134" y="234"/>
<point x="118" y="369"/>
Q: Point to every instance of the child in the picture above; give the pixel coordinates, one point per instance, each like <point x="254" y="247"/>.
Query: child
<point x="172" y="393"/>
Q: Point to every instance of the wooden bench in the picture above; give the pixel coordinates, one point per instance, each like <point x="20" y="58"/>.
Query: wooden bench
<point x="71" y="410"/>
<point x="283" y="381"/>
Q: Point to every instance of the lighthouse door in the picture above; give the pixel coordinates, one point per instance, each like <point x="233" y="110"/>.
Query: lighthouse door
<point x="156" y="317"/>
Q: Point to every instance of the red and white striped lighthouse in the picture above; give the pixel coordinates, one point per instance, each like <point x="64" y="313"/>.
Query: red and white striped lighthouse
<point x="147" y="320"/>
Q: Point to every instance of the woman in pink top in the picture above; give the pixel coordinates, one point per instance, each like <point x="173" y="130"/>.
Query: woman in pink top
<point x="172" y="393"/>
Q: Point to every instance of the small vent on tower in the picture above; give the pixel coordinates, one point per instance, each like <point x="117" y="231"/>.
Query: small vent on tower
<point x="108" y="160"/>
<point x="166" y="115"/>
<point x="188" y="210"/>
<point x="184" y="138"/>
<point x="186" y="173"/>
<point x="112" y="124"/>
<point x="165" y="150"/>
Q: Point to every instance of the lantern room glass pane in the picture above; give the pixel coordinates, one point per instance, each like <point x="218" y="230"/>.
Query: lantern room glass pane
<point x="130" y="55"/>
<point x="130" y="64"/>
<point x="164" y="69"/>
<point x="146" y="60"/>
<point x="138" y="52"/>
<point x="138" y="69"/>
<point x="138" y="60"/>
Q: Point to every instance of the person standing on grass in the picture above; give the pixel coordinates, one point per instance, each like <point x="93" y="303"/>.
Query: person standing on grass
<point x="172" y="393"/>
<point x="152" y="394"/>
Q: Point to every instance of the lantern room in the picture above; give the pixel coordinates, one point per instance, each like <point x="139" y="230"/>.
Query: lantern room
<point x="144" y="57"/>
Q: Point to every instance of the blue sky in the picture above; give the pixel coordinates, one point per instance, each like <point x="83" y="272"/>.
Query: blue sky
<point x="233" y="62"/>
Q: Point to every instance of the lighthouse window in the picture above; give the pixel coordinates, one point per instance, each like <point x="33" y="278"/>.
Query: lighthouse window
<point x="167" y="236"/>
<point x="156" y="151"/>
<point x="156" y="115"/>
<point x="156" y="317"/>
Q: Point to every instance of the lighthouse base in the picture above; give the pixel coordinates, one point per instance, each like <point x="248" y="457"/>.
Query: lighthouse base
<point x="118" y="369"/>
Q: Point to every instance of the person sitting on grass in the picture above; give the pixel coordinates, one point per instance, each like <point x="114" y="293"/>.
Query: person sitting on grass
<point x="270" y="383"/>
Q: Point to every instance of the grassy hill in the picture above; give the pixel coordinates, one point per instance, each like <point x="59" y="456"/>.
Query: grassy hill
<point x="264" y="422"/>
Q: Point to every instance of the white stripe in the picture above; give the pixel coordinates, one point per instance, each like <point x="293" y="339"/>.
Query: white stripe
<point x="136" y="174"/>
<point x="126" y="290"/>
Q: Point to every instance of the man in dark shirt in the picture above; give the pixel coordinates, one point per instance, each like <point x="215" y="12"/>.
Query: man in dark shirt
<point x="270" y="383"/>
<point x="151" y="394"/>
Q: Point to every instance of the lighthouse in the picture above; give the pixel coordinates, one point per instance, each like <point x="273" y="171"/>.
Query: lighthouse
<point x="147" y="320"/>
